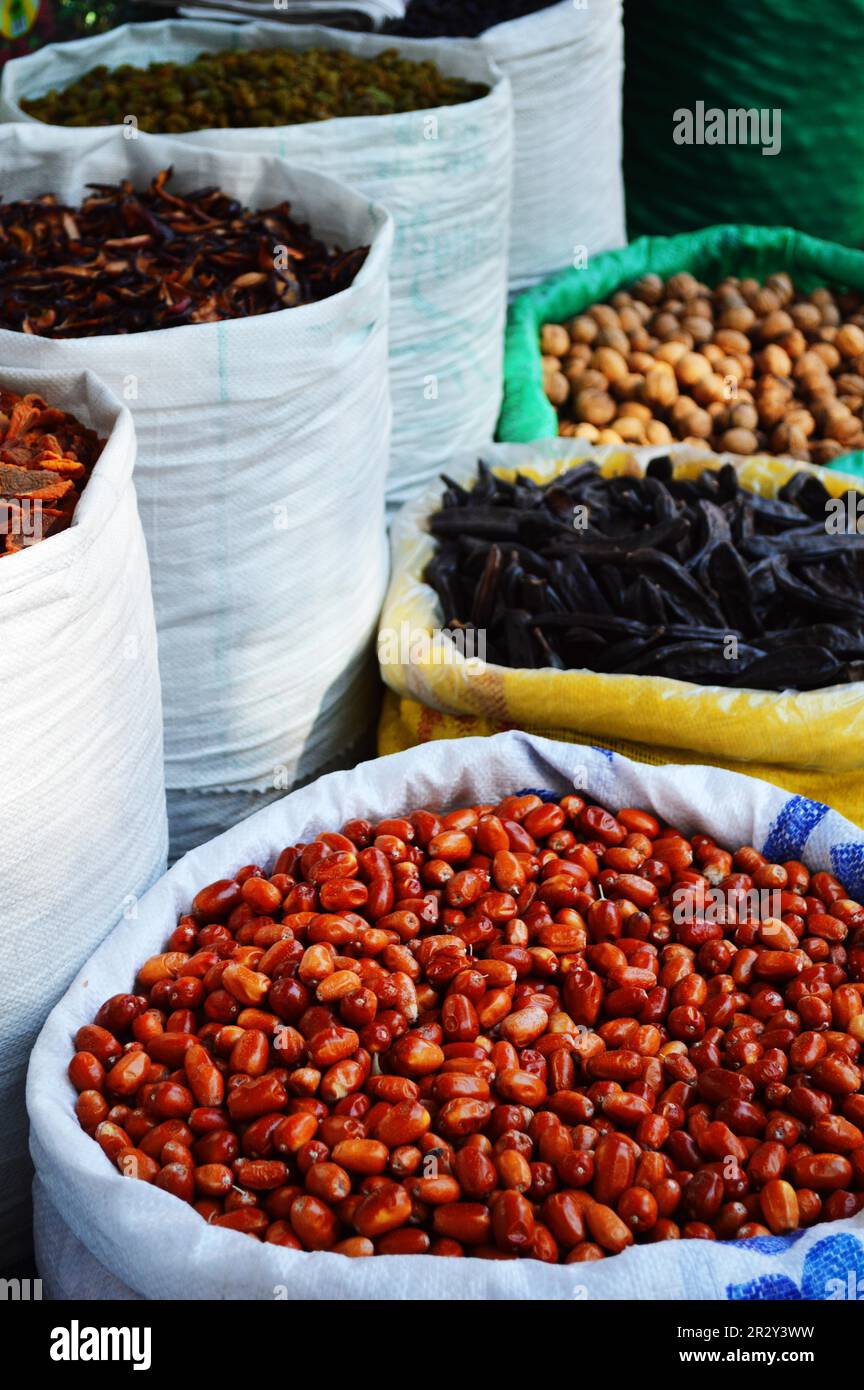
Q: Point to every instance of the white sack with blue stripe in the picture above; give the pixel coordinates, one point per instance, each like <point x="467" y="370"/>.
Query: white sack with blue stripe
<point x="98" y="1235"/>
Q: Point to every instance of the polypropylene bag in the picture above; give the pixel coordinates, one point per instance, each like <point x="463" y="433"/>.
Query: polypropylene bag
<point x="851" y="463"/>
<point x="795" y="65"/>
<point x="262" y="454"/>
<point x="444" y="174"/>
<point x="359" y="12"/>
<point x="82" y="815"/>
<point x="811" y="743"/>
<point x="566" y="67"/>
<point x="710" y="254"/>
<point x="100" y="1235"/>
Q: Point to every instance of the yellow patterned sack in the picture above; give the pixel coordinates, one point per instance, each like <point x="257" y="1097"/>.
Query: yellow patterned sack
<point x="811" y="742"/>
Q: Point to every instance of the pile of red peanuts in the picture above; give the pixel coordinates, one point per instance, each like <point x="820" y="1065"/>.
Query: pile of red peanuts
<point x="507" y="1031"/>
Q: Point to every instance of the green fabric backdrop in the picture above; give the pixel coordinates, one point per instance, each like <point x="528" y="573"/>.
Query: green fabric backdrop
<point x="801" y="56"/>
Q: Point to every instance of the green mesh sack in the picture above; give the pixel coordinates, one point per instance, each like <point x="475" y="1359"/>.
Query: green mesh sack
<point x="850" y="463"/>
<point x="796" y="56"/>
<point x="710" y="255"/>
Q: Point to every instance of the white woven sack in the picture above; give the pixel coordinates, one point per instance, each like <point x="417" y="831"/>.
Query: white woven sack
<point x="82" y="815"/>
<point x="262" y="454"/>
<point x="566" y="68"/>
<point x="311" y="11"/>
<point x="99" y="1234"/>
<point x="445" y="175"/>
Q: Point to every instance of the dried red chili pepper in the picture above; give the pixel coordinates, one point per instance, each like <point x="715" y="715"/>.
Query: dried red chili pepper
<point x="46" y="458"/>
<point x="127" y="262"/>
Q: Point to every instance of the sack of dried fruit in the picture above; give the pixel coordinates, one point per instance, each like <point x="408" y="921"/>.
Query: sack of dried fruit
<point x="740" y="337"/>
<point x="301" y="1116"/>
<point x="715" y="127"/>
<point x="82" y="822"/>
<point x="443" y="171"/>
<point x="263" y="440"/>
<point x="565" y="64"/>
<point x="694" y="708"/>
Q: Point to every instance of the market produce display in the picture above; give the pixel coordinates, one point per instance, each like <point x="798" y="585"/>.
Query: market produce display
<point x="519" y="1029"/>
<point x="570" y="987"/>
<point x="577" y="52"/>
<point x="654" y="575"/>
<point x="262" y="441"/>
<point x="46" y="458"/>
<point x="743" y="366"/>
<point x="444" y="175"/>
<point x="425" y="19"/>
<point x="127" y="262"/>
<point x="750" y="255"/>
<point x="259" y="87"/>
<point x="441" y="686"/>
